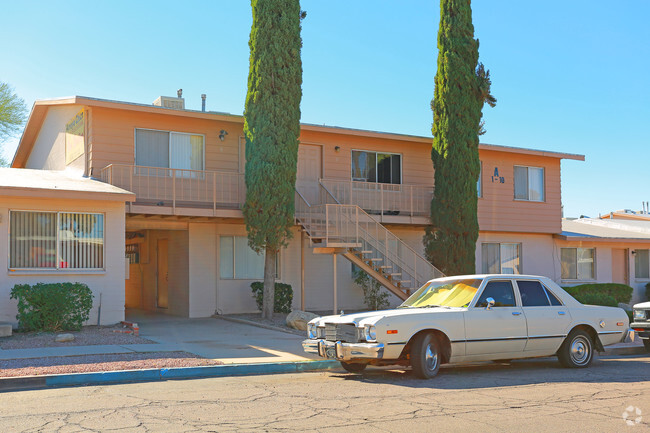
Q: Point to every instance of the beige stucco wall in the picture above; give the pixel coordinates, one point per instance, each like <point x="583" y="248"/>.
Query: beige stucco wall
<point x="49" y="148"/>
<point x="537" y="255"/>
<point x="203" y="270"/>
<point x="109" y="282"/>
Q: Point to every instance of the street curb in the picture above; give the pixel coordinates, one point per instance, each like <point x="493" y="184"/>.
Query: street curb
<point x="159" y="374"/>
<point x="626" y="351"/>
<point x="262" y="325"/>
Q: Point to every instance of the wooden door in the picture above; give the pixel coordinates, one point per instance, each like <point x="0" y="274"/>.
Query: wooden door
<point x="162" y="275"/>
<point x="309" y="172"/>
<point x="619" y="266"/>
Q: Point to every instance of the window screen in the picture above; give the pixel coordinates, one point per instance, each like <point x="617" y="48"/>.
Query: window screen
<point x="641" y="264"/>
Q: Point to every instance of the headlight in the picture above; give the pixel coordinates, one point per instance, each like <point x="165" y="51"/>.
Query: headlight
<point x="370" y="333"/>
<point x="312" y="330"/>
<point x="639" y="314"/>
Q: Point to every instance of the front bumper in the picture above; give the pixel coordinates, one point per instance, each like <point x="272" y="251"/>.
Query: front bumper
<point x="642" y="329"/>
<point x="344" y="351"/>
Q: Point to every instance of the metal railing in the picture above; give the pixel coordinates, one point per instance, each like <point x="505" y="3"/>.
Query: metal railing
<point x="382" y="198"/>
<point x="341" y="225"/>
<point x="178" y="187"/>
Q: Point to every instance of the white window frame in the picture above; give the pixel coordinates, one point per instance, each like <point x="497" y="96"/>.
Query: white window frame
<point x="58" y="267"/>
<point x="278" y="263"/>
<point x="520" y="249"/>
<point x="527" y="167"/>
<point x="169" y="146"/>
<point x="635" y="267"/>
<point x="401" y="166"/>
<point x="578" y="277"/>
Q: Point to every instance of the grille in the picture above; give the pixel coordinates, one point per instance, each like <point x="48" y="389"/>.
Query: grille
<point x="345" y="332"/>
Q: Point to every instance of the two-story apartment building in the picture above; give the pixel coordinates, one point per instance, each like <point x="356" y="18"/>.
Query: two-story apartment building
<point x="362" y="200"/>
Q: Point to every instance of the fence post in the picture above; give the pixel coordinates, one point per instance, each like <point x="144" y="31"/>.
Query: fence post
<point x="173" y="190"/>
<point x="412" y="210"/>
<point x="381" y="199"/>
<point x="214" y="192"/>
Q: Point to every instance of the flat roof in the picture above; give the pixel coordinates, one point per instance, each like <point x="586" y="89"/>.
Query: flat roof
<point x="37" y="115"/>
<point x="41" y="183"/>
<point x="595" y="229"/>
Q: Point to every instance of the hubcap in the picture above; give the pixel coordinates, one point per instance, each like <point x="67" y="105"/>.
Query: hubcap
<point x="579" y="350"/>
<point x="431" y="358"/>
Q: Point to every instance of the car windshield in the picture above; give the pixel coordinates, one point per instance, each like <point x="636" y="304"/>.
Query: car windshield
<point x="445" y="293"/>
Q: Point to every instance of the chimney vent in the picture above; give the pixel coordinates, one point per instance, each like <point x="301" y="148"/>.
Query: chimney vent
<point x="203" y="96"/>
<point x="179" y="93"/>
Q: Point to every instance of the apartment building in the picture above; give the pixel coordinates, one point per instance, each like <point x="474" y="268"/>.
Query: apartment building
<point x="362" y="202"/>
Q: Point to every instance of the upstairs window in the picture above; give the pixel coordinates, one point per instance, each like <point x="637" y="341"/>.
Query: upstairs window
<point x="169" y="149"/>
<point x="376" y="167"/>
<point x="56" y="240"/>
<point x="529" y="183"/>
<point x="578" y="263"/>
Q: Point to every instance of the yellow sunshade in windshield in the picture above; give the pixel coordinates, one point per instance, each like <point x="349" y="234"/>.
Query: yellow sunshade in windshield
<point x="458" y="295"/>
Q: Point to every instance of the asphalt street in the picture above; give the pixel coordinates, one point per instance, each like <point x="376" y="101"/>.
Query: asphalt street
<point x="535" y="395"/>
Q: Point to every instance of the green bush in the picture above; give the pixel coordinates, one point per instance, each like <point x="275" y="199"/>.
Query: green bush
<point x="596" y="299"/>
<point x="373" y="296"/>
<point x="647" y="291"/>
<point x="621" y="293"/>
<point x="52" y="307"/>
<point x="283" y="296"/>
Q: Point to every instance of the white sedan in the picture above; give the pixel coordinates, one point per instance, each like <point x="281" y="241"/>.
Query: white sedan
<point x="471" y="318"/>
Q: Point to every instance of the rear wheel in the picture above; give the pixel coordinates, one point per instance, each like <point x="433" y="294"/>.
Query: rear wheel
<point x="646" y="343"/>
<point x="577" y="350"/>
<point x="425" y="356"/>
<point x="353" y="367"/>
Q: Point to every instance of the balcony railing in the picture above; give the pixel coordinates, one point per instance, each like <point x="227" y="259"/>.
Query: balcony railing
<point x="382" y="198"/>
<point x="178" y="187"/>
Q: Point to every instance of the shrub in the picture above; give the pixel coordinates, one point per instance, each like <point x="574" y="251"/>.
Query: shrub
<point x="596" y="299"/>
<point x="647" y="291"/>
<point x="373" y="296"/>
<point x="620" y="292"/>
<point x="52" y="307"/>
<point x="283" y="296"/>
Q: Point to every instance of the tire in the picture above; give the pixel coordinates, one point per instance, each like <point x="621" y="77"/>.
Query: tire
<point x="577" y="351"/>
<point x="353" y="367"/>
<point x="646" y="343"/>
<point x="425" y="356"/>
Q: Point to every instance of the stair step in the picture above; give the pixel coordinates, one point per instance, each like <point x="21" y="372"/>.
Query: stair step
<point x="376" y="259"/>
<point x="385" y="267"/>
<point x="396" y="274"/>
<point x="366" y="252"/>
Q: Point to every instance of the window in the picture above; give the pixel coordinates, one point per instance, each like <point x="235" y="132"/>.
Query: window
<point x="641" y="264"/>
<point x="169" y="150"/>
<point x="376" y="167"/>
<point x="56" y="240"/>
<point x="239" y="262"/>
<point x="529" y="183"/>
<point x="554" y="300"/>
<point x="500" y="291"/>
<point x="578" y="263"/>
<point x="532" y="294"/>
<point x="479" y="183"/>
<point x="501" y="258"/>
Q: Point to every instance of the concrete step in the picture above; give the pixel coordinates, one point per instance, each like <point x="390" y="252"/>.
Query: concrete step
<point x="5" y="330"/>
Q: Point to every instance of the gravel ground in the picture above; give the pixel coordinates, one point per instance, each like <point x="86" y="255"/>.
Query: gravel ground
<point x="88" y="336"/>
<point x="93" y="363"/>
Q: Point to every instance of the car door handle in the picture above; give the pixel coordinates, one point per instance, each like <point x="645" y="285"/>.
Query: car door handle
<point x="561" y="313"/>
<point x="516" y="313"/>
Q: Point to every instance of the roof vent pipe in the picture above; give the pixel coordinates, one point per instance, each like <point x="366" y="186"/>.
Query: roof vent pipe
<point x="179" y="93"/>
<point x="203" y="96"/>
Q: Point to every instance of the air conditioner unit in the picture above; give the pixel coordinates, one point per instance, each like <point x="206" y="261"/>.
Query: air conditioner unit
<point x="170" y="102"/>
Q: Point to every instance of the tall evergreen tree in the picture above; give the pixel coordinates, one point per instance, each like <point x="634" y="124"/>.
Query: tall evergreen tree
<point x="462" y="86"/>
<point x="272" y="127"/>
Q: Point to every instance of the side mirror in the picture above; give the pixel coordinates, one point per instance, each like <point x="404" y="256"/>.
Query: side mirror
<point x="490" y="303"/>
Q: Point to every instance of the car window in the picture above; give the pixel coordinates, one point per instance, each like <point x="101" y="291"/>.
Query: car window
<point x="532" y="294"/>
<point x="500" y="291"/>
<point x="554" y="300"/>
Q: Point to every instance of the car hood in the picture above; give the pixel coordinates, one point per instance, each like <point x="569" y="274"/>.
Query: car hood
<point x="372" y="317"/>
<point x="642" y="305"/>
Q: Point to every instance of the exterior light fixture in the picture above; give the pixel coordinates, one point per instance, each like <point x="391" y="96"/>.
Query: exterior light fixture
<point x="337" y="148"/>
<point x="222" y="134"/>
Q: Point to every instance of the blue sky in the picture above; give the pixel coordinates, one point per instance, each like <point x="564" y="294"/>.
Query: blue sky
<point x="569" y="76"/>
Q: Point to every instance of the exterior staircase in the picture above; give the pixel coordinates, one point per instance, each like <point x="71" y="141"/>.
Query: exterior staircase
<point x="345" y="229"/>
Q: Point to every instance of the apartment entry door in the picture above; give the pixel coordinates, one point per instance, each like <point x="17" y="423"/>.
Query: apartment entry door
<point x="309" y="172"/>
<point x="619" y="266"/>
<point x="162" y="274"/>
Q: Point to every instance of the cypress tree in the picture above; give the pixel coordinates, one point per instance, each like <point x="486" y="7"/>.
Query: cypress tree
<point x="462" y="86"/>
<point x="272" y="127"/>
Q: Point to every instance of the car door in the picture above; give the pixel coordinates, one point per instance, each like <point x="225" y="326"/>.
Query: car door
<point x="498" y="329"/>
<point x="546" y="317"/>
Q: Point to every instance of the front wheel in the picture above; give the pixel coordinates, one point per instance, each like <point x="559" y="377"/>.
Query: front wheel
<point x="577" y="350"/>
<point x="353" y="367"/>
<point x="646" y="343"/>
<point x="425" y="356"/>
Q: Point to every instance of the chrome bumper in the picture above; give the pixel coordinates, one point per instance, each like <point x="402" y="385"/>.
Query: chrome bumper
<point x="628" y="336"/>
<point x="344" y="351"/>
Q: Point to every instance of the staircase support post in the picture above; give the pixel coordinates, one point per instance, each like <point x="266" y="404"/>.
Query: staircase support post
<point x="302" y="270"/>
<point x="335" y="287"/>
